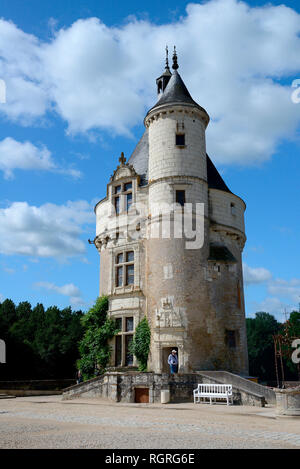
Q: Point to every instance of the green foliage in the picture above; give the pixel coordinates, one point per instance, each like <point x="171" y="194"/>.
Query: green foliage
<point x="260" y="332"/>
<point x="292" y="326"/>
<point x="141" y="343"/>
<point x="94" y="348"/>
<point x="40" y="344"/>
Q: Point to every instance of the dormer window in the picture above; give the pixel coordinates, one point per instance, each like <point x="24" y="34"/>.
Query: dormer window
<point x="180" y="140"/>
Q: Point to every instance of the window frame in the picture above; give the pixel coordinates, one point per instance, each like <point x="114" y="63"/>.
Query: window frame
<point x="122" y="266"/>
<point x="122" y="196"/>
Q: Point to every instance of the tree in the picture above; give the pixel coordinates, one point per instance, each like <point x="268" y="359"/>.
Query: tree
<point x="260" y="331"/>
<point x="40" y="344"/>
<point x="141" y="343"/>
<point x="94" y="347"/>
<point x="291" y="330"/>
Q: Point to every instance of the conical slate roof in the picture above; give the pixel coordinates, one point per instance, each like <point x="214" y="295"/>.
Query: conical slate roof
<point x="176" y="93"/>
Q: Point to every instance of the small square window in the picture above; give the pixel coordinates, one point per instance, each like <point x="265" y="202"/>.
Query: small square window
<point x="117" y="189"/>
<point x="180" y="140"/>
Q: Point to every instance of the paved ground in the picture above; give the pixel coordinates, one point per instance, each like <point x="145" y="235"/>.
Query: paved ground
<point x="49" y="422"/>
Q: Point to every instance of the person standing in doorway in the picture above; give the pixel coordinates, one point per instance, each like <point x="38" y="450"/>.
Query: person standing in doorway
<point x="173" y="362"/>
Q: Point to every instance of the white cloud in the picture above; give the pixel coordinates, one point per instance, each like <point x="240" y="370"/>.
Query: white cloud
<point x="67" y="290"/>
<point x="232" y="58"/>
<point x="272" y="306"/>
<point x="255" y="275"/>
<point x="46" y="231"/>
<point x="26" y="156"/>
<point x="286" y="288"/>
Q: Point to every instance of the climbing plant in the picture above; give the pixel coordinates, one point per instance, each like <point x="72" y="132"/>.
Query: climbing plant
<point x="140" y="345"/>
<point x="94" y="348"/>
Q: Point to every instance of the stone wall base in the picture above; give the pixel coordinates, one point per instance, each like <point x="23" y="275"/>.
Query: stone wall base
<point x="121" y="387"/>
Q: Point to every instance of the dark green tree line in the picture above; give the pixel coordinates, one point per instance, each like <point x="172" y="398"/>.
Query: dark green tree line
<point x="40" y="344"/>
<point x="260" y="331"/>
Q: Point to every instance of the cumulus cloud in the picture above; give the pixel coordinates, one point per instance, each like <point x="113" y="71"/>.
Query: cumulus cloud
<point x="68" y="290"/>
<point x="286" y="288"/>
<point x="26" y="156"/>
<point x="255" y="275"/>
<point x="46" y="231"/>
<point x="285" y="293"/>
<point x="234" y="59"/>
<point x="273" y="306"/>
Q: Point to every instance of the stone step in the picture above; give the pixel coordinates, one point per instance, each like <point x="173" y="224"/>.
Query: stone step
<point x="7" y="396"/>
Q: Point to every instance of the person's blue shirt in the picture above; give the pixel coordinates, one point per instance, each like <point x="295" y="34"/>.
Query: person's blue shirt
<point x="172" y="359"/>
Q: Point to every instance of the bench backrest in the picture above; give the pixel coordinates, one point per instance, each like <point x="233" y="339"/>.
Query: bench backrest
<point x="215" y="388"/>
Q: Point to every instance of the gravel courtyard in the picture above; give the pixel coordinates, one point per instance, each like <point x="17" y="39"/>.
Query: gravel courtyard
<point x="50" y="422"/>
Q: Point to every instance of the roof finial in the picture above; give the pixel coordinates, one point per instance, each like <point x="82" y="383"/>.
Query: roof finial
<point x="167" y="59"/>
<point x="122" y="159"/>
<point x="175" y="64"/>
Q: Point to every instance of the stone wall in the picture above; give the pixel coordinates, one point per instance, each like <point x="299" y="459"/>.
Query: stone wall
<point x="120" y="387"/>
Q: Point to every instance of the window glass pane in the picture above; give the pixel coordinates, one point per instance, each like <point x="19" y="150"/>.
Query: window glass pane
<point x="117" y="189"/>
<point x="118" y="350"/>
<point x="180" y="139"/>
<point x="117" y="205"/>
<point x="130" y="274"/>
<point x="129" y="356"/>
<point x="119" y="324"/>
<point x="119" y="276"/>
<point x="180" y="197"/>
<point x="129" y="324"/>
<point x="128" y="201"/>
<point x="130" y="256"/>
<point x="128" y="186"/>
<point x="119" y="258"/>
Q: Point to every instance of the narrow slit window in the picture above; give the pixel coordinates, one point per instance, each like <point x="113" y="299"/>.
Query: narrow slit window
<point x="180" y="197"/>
<point x="231" y="339"/>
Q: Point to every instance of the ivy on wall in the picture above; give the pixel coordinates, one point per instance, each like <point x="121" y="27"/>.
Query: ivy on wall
<point x="140" y="345"/>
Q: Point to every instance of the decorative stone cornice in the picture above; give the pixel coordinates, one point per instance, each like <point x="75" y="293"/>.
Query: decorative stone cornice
<point x="166" y="109"/>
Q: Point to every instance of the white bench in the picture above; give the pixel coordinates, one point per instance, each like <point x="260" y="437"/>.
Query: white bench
<point x="213" y="391"/>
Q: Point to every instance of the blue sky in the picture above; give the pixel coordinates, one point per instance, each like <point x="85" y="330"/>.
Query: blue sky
<point x="80" y="77"/>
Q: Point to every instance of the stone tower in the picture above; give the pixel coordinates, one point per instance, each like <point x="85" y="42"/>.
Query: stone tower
<point x="191" y="293"/>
